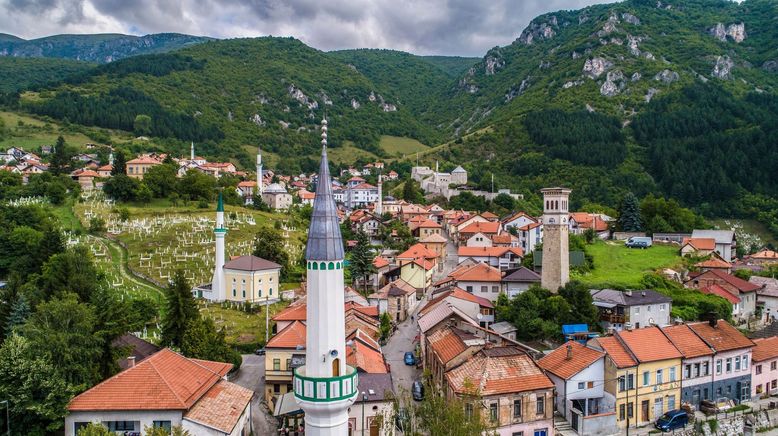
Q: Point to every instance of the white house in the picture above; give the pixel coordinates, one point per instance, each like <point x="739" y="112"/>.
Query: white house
<point x="165" y="390"/>
<point x="725" y="241"/>
<point x="577" y="372"/>
<point x="375" y="399"/>
<point x="360" y="195"/>
<point x="620" y="309"/>
<point x="518" y="281"/>
<point x="767" y="296"/>
<point x="696" y="363"/>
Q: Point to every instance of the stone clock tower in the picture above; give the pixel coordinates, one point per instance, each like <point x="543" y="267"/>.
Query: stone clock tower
<point x="555" y="271"/>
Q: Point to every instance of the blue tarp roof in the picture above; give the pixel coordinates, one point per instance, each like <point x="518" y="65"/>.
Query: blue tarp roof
<point x="569" y="329"/>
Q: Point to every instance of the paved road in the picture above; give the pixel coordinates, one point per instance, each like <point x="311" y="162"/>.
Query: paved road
<point x="252" y="376"/>
<point x="401" y="341"/>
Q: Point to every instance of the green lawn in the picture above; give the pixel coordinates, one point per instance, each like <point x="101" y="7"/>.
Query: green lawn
<point x="347" y="153"/>
<point x="617" y="265"/>
<point x="397" y="145"/>
<point x="241" y="328"/>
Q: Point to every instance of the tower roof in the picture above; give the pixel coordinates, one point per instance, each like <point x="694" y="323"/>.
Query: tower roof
<point x="324" y="239"/>
<point x="220" y="203"/>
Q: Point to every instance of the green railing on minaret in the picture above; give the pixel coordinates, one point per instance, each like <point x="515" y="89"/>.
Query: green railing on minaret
<point x="325" y="389"/>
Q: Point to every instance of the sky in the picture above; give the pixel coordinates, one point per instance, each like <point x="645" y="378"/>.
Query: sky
<point x="446" y="27"/>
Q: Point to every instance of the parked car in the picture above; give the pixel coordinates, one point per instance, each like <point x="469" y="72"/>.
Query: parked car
<point x="417" y="390"/>
<point x="409" y="358"/>
<point x="638" y="242"/>
<point x="672" y="420"/>
<point x="722" y="404"/>
<point x="260" y="352"/>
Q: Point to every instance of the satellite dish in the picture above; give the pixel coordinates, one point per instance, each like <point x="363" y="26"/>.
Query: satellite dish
<point x="334" y="353"/>
<point x="479" y="316"/>
<point x="651" y="320"/>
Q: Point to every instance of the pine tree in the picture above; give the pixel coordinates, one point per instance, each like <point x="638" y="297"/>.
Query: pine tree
<point x="180" y="310"/>
<point x="119" y="163"/>
<point x="20" y="311"/>
<point x="61" y="158"/>
<point x="361" y="262"/>
<point x="629" y="214"/>
<point x="410" y="191"/>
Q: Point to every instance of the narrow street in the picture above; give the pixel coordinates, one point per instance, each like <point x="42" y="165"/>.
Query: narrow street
<point x="251" y="375"/>
<point x="401" y="341"/>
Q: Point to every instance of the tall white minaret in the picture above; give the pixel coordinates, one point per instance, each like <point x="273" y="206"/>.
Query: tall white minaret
<point x="191" y="152"/>
<point x="325" y="387"/>
<point x="218" y="286"/>
<point x="379" y="205"/>
<point x="110" y="158"/>
<point x="260" y="188"/>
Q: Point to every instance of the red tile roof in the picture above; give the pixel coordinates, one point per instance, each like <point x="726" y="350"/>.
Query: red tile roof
<point x="417" y="251"/>
<point x="488" y="251"/>
<point x="380" y="262"/>
<point x="686" y="341"/>
<point x="428" y="224"/>
<point x="721" y="292"/>
<point x="498" y="373"/>
<point x="765" y="255"/>
<point x="739" y="283"/>
<point x="164" y="381"/>
<point x="616" y="351"/>
<point x="367" y="310"/>
<point x="488" y="215"/>
<point x="295" y="312"/>
<point x="292" y="336"/>
<point x="723" y="337"/>
<point x="558" y="364"/>
<point x="504" y="238"/>
<point x="481" y="227"/>
<point x="700" y="243"/>
<point x="365" y="358"/>
<point x="766" y="349"/>
<point x="479" y="272"/>
<point x="247" y="184"/>
<point x="144" y="160"/>
<point x="221" y="407"/>
<point x="714" y="262"/>
<point x="446" y="344"/>
<point x="649" y="344"/>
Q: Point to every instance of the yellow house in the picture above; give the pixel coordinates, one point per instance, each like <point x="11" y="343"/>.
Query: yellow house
<point x="283" y="353"/>
<point x="418" y="273"/>
<point x="137" y="167"/>
<point x="643" y="373"/>
<point x="240" y="272"/>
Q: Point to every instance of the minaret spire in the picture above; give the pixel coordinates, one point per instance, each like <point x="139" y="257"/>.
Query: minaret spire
<point x="191" y="152"/>
<point x="218" y="285"/>
<point x="260" y="188"/>
<point x="324" y="239"/>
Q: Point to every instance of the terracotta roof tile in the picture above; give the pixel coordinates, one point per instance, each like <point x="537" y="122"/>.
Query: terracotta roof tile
<point x="380" y="262"/>
<point x="700" y="243"/>
<point x="365" y="358"/>
<point x="723" y="337"/>
<point x="221" y="407"/>
<point x="739" y="283"/>
<point x="582" y="357"/>
<point x="295" y="312"/>
<point x="713" y="262"/>
<point x="488" y="251"/>
<point x="765" y="255"/>
<point x="417" y="251"/>
<point x="429" y="224"/>
<point x="616" y="351"/>
<point x="686" y="341"/>
<point x="144" y="160"/>
<point x="481" y="227"/>
<point x="480" y="272"/>
<point x="164" y="381"/>
<point x="501" y="374"/>
<point x="648" y="344"/>
<point x="721" y="292"/>
<point x="291" y="336"/>
<point x="766" y="349"/>
<point x="446" y="344"/>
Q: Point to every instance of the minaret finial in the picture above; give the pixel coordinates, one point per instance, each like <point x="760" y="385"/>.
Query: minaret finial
<point x="324" y="134"/>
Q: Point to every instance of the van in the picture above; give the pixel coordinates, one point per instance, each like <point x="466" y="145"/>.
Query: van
<point x="638" y="242"/>
<point x="672" y="420"/>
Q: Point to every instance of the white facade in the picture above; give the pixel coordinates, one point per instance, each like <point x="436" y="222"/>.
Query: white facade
<point x="479" y="240"/>
<point x="586" y="384"/>
<point x="374" y="410"/>
<point x="360" y="197"/>
<point x="697" y="376"/>
<point x="488" y="290"/>
<point x="531" y="238"/>
<point x="138" y="418"/>
<point x="515" y="288"/>
<point x="648" y="314"/>
<point x="218" y="286"/>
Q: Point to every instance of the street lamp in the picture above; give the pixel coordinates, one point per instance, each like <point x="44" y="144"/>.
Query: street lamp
<point x="7" y="417"/>
<point x="364" y="398"/>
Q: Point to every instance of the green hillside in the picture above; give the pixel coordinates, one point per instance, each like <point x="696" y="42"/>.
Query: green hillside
<point x="25" y="73"/>
<point x="453" y="65"/>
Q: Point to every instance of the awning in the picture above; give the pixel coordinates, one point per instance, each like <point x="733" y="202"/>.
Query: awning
<point x="286" y="405"/>
<point x="604" y="304"/>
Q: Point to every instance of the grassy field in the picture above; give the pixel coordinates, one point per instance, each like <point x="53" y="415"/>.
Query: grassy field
<point x="30" y="133"/>
<point x="400" y="146"/>
<point x="241" y="328"/>
<point x="348" y="153"/>
<point x="617" y="265"/>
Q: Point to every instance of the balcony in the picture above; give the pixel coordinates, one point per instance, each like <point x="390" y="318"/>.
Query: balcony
<point x="325" y="389"/>
<point x="613" y="318"/>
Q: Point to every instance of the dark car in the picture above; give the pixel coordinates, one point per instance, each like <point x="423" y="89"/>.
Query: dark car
<point x="260" y="352"/>
<point x="409" y="358"/>
<point x="417" y="390"/>
<point x="672" y="420"/>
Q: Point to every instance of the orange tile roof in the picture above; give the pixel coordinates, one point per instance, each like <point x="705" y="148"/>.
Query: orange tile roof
<point x="700" y="243"/>
<point x="723" y="337"/>
<point x="496" y="371"/>
<point x="504" y="238"/>
<point x="686" y="341"/>
<point x="291" y="336"/>
<point x="429" y="224"/>
<point x="163" y="381"/>
<point x="433" y="238"/>
<point x="558" y="364"/>
<point x="482" y="227"/>
<point x="765" y="349"/>
<point x="648" y="344"/>
<point x="529" y="227"/>
<point x="424" y="263"/>
<point x="455" y="293"/>
<point x="367" y="310"/>
<point x="365" y="358"/>
<point x="721" y="292"/>
<point x="518" y="215"/>
<point x="221" y="407"/>
<point x="88" y="173"/>
<point x="359" y="335"/>
<point x="616" y="351"/>
<point x="144" y="160"/>
<point x="380" y="262"/>
<point x="479" y="272"/>
<point x="488" y="251"/>
<point x="417" y="251"/>
<point x="737" y="282"/>
<point x="446" y="344"/>
<point x="295" y="312"/>
<point x="714" y="262"/>
<point x="765" y="254"/>
<point x="488" y="215"/>
<point x="247" y="184"/>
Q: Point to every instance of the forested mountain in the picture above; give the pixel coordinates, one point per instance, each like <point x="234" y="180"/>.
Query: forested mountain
<point x="100" y="48"/>
<point x="28" y="73"/>
<point x="674" y="98"/>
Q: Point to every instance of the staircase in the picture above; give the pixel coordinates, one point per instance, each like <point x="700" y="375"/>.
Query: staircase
<point x="562" y="427"/>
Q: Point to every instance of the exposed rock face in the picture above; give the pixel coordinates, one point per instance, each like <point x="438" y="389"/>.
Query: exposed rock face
<point x="576" y="55"/>
<point x="256" y="119"/>
<point x="355" y="104"/>
<point x="631" y="19"/>
<point x="583" y="18"/>
<point x="770" y="66"/>
<point x="736" y="31"/>
<point x="633" y="44"/>
<point x="517" y="91"/>
<point x="719" y="32"/>
<point x="648" y="55"/>
<point x="589" y="108"/>
<point x="723" y="68"/>
<point x="261" y="99"/>
<point x="594" y="67"/>
<point x="636" y="76"/>
<point x="613" y="85"/>
<point x="650" y="94"/>
<point x="388" y="107"/>
<point x="283" y="124"/>
<point x="666" y="76"/>
<point x="371" y="97"/>
<point x="229" y="116"/>
<point x="493" y="63"/>
<point x="570" y="84"/>
<point x="298" y="95"/>
<point x="466" y="81"/>
<point x="538" y="31"/>
<point x="324" y="98"/>
<point x="544" y="65"/>
<point x="609" y="26"/>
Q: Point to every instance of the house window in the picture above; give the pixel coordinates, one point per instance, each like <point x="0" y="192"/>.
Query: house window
<point x="671" y="402"/>
<point x="737" y="363"/>
<point x="745" y="362"/>
<point x="661" y="307"/>
<point x="493" y="412"/>
<point x="672" y="374"/>
<point x="659" y="376"/>
<point x="645" y="378"/>
<point x="517" y="433"/>
<point x="687" y="371"/>
<point x="484" y="289"/>
<point x="630" y="410"/>
<point x="589" y="385"/>
<point x="729" y="364"/>
<point x="234" y="292"/>
<point x="517" y="408"/>
<point x="540" y="405"/>
<point x="696" y="370"/>
<point x="706" y="368"/>
<point x="718" y="366"/>
<point x="469" y="289"/>
<point x="758" y="369"/>
<point x="120" y="425"/>
<point x="495" y="289"/>
<point x="162" y="424"/>
<point x="244" y="293"/>
<point x="622" y="384"/>
<point x="540" y="432"/>
<point x="469" y="410"/>
<point x="276" y="364"/>
<point x="288" y="364"/>
<point x="276" y="388"/>
<point x="581" y="385"/>
<point x="630" y="381"/>
<point x="773" y="366"/>
<point x="773" y="384"/>
<point x="622" y="412"/>
<point x="637" y="311"/>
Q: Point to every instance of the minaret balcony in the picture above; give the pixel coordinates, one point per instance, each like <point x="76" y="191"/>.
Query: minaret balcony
<point x="325" y="389"/>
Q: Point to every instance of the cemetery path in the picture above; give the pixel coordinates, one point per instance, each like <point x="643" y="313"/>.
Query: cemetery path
<point x="119" y="261"/>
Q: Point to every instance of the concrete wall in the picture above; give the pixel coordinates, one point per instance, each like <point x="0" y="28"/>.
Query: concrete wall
<point x="645" y="315"/>
<point x="242" y="427"/>
<point x="476" y="287"/>
<point x="142" y="418"/>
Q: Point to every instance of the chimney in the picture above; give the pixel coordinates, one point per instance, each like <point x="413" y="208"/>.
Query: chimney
<point x="628" y="292"/>
<point x="713" y="322"/>
<point x="643" y="294"/>
<point x="569" y="352"/>
<point x="130" y="361"/>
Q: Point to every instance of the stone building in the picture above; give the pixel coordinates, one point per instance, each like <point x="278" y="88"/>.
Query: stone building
<point x="556" y="257"/>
